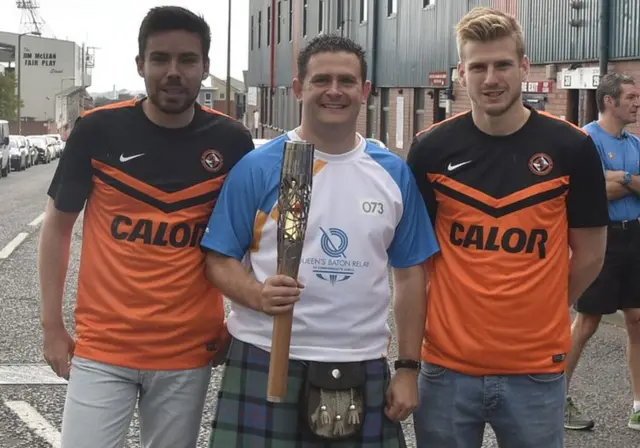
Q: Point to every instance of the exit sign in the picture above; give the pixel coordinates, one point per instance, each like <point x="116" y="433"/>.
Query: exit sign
<point x="537" y="86"/>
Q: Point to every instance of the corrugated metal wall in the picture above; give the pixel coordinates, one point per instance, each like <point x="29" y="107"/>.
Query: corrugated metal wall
<point x="555" y="32"/>
<point x="419" y="40"/>
<point x="258" y="70"/>
<point x="284" y="50"/>
<point x="625" y="29"/>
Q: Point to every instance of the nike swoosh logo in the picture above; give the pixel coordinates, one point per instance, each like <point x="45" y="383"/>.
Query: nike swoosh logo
<point x="126" y="159"/>
<point x="458" y="165"/>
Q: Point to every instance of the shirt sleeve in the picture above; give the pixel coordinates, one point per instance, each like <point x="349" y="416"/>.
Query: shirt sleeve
<point x="414" y="241"/>
<point x="587" y="202"/>
<point x="73" y="179"/>
<point x="230" y="228"/>
<point x="415" y="161"/>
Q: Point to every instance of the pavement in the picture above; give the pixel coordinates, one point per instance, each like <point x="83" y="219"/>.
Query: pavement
<point x="31" y="411"/>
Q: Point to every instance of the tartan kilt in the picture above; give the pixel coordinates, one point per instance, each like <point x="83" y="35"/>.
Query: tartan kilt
<point x="245" y="419"/>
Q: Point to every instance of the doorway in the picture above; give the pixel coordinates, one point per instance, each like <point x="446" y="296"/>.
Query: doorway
<point x="439" y="105"/>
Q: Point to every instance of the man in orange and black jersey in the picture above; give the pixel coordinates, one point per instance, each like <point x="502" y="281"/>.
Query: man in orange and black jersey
<point x="149" y="325"/>
<point x="510" y="191"/>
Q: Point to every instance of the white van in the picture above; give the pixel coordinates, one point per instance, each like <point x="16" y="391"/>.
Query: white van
<point x="5" y="159"/>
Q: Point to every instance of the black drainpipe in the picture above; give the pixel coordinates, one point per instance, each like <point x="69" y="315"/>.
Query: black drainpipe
<point x="374" y="45"/>
<point x="605" y="22"/>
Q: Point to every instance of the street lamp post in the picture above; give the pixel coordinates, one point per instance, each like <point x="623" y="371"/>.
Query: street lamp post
<point x="18" y="79"/>
<point x="228" y="92"/>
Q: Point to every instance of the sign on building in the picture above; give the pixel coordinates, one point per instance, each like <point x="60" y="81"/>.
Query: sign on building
<point x="579" y="78"/>
<point x="438" y="79"/>
<point x="537" y="86"/>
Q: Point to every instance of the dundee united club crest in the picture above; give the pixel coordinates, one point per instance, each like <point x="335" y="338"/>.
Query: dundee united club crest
<point x="540" y="164"/>
<point x="211" y="160"/>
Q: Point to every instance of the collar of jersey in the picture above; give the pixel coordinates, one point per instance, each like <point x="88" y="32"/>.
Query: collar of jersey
<point x="623" y="135"/>
<point x="335" y="158"/>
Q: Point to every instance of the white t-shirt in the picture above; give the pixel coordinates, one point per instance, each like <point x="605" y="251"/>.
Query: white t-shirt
<point x="366" y="212"/>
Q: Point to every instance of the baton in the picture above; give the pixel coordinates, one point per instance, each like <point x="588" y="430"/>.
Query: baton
<point x="294" y="197"/>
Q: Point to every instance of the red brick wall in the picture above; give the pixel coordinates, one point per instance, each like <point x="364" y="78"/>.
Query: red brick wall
<point x="361" y="126"/>
<point x="32" y="127"/>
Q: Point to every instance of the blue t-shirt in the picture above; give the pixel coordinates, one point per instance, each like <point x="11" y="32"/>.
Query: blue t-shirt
<point x="618" y="154"/>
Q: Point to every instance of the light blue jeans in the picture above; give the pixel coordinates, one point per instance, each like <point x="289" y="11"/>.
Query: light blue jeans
<point x="525" y="411"/>
<point x="101" y="399"/>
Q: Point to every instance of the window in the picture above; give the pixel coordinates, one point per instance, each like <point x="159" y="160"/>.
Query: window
<point x="418" y="110"/>
<point x="259" y="28"/>
<point x="290" y="20"/>
<point x="222" y="96"/>
<point x="268" y="26"/>
<point x="426" y="3"/>
<point x="321" y="17"/>
<point x="384" y="115"/>
<point x="305" y="9"/>
<point x="392" y="7"/>
<point x="279" y="19"/>
<point x="371" y="116"/>
<point x="364" y="10"/>
<point x="251" y="35"/>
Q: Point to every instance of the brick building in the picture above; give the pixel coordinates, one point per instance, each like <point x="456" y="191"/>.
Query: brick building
<point x="412" y="57"/>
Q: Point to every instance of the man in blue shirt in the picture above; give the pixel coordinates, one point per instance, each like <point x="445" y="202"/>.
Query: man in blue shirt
<point x="618" y="285"/>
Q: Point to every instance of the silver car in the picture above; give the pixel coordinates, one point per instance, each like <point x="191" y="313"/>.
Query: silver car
<point x="5" y="158"/>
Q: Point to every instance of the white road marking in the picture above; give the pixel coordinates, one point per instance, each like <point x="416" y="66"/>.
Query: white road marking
<point x="37" y="221"/>
<point x="19" y="374"/>
<point x="13" y="244"/>
<point x="36" y="422"/>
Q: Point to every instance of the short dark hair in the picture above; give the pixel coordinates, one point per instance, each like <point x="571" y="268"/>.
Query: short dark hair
<point x="172" y="18"/>
<point x="611" y="85"/>
<point x="325" y="43"/>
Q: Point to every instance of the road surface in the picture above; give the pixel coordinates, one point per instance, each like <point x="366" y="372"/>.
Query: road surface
<point x="30" y="414"/>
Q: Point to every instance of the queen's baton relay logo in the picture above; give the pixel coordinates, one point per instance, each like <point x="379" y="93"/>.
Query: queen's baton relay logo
<point x="336" y="266"/>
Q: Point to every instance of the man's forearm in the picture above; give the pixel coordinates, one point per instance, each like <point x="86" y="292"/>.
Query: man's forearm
<point x="584" y="269"/>
<point x="616" y="190"/>
<point x="410" y="309"/>
<point x="232" y="280"/>
<point x="634" y="185"/>
<point x="53" y="261"/>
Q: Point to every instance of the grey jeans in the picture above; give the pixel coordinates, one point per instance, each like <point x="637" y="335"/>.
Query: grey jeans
<point x="101" y="399"/>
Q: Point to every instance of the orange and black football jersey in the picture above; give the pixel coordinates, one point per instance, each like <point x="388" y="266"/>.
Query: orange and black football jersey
<point x="502" y="207"/>
<point x="143" y="299"/>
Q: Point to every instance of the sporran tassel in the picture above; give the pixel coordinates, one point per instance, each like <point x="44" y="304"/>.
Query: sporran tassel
<point x="352" y="416"/>
<point x="325" y="418"/>
<point x="338" y="427"/>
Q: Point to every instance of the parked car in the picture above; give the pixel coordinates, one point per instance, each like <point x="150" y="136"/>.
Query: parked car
<point x="59" y="146"/>
<point x="45" y="154"/>
<point x="5" y="158"/>
<point x="19" y="153"/>
<point x="54" y="147"/>
<point x="31" y="153"/>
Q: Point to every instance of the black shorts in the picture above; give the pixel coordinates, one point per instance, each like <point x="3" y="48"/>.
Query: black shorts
<point x="618" y="285"/>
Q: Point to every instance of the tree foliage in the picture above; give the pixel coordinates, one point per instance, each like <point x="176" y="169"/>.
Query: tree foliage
<point x="8" y="97"/>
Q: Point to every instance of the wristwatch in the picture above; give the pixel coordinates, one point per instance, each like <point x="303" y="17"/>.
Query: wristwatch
<point x="406" y="364"/>
<point x="627" y="178"/>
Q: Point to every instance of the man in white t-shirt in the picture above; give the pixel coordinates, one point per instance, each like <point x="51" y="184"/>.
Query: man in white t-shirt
<point x="366" y="213"/>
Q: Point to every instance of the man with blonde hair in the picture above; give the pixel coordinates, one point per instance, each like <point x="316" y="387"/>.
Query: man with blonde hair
<point x="510" y="190"/>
